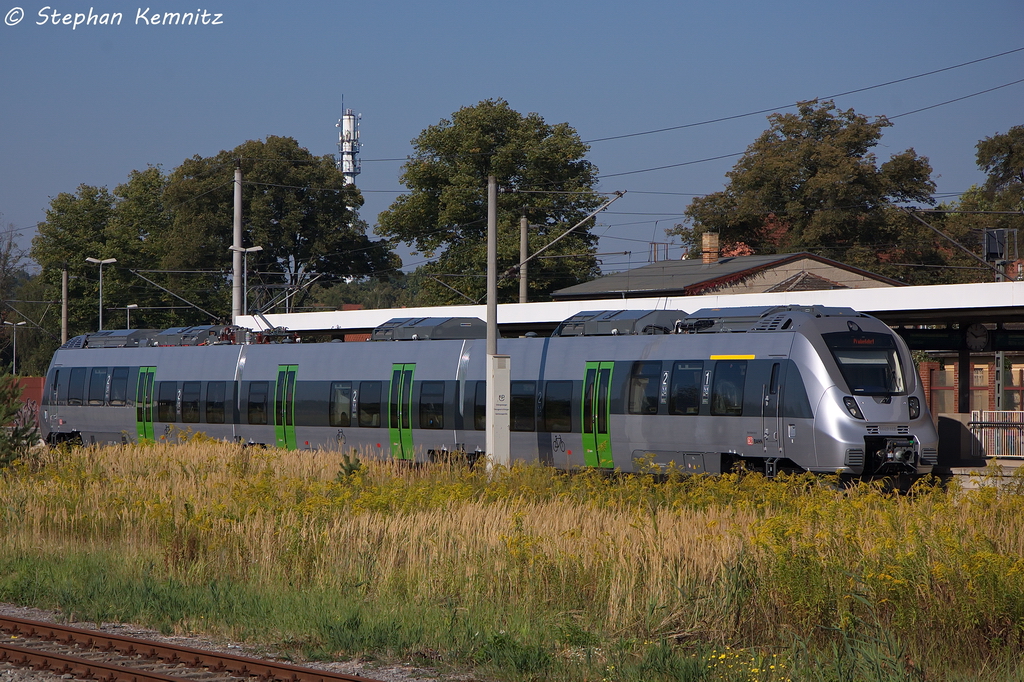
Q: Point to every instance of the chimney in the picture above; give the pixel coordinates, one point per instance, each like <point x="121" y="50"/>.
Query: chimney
<point x="710" y="247"/>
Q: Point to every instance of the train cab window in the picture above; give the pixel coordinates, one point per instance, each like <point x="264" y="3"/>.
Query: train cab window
<point x="341" y="403"/>
<point x="524" y="413"/>
<point x="432" y="405"/>
<point x="119" y="386"/>
<point x="258" y="392"/>
<point x="727" y="389"/>
<point x="869" y="362"/>
<point x="644" y="382"/>
<point x="190" y="393"/>
<point x="166" y="401"/>
<point x="684" y="392"/>
<point x="98" y="386"/>
<point x="480" y="406"/>
<point x="558" y="407"/>
<point x="215" y="391"/>
<point x="369" y="403"/>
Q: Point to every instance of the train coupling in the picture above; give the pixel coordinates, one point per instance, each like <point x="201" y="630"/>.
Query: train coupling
<point x="898" y="451"/>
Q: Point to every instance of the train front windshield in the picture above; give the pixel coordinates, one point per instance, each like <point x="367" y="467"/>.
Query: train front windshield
<point x="869" y="362"/>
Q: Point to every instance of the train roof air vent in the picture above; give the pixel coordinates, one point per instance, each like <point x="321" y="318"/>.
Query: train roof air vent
<point x="620" y="322"/>
<point x="770" y="323"/>
<point x="427" y="328"/>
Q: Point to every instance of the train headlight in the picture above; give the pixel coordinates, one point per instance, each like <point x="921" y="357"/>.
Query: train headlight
<point x="852" y="407"/>
<point x="915" y="407"/>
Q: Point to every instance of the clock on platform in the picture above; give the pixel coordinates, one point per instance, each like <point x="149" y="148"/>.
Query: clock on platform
<point x="977" y="337"/>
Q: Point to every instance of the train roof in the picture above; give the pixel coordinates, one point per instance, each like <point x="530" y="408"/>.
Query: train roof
<point x="588" y="323"/>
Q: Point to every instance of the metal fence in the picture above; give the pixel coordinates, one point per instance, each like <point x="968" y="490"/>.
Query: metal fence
<point x="997" y="433"/>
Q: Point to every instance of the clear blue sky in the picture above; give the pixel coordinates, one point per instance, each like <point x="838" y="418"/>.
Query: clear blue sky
<point x="89" y="104"/>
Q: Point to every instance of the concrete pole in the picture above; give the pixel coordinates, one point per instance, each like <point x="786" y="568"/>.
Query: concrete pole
<point x="499" y="369"/>
<point x="64" y="304"/>
<point x="523" y="254"/>
<point x="236" y="255"/>
<point x="492" y="265"/>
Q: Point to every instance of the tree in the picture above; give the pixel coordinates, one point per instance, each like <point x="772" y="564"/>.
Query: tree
<point x="991" y="205"/>
<point x="175" y="229"/>
<point x="1002" y="157"/>
<point x="540" y="169"/>
<point x="295" y="205"/>
<point x="810" y="182"/>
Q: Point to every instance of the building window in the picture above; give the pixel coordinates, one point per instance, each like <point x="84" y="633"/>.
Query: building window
<point x="980" y="394"/>
<point x="943" y="397"/>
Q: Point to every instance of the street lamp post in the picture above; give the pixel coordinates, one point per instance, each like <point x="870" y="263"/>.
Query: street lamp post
<point x="245" y="272"/>
<point x="14" y="331"/>
<point x="128" y="312"/>
<point x="101" y="263"/>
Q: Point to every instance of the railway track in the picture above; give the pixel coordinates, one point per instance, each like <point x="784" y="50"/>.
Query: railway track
<point x="95" y="655"/>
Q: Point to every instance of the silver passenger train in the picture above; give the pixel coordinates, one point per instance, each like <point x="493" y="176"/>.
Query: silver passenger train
<point x="783" y="388"/>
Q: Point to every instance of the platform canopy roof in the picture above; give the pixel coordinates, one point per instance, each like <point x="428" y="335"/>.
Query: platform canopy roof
<point x="996" y="302"/>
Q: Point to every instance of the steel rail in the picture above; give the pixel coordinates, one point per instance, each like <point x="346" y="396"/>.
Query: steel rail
<point x="215" y="662"/>
<point x="82" y="668"/>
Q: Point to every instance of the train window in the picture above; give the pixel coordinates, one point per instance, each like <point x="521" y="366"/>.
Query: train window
<point x="432" y="405"/>
<point x="727" y="389"/>
<point x="98" y="386"/>
<point x="369" y="403"/>
<point x="52" y="395"/>
<point x="258" y="392"/>
<point x="119" y="386"/>
<point x="869" y="362"/>
<point x="341" y="403"/>
<point x="684" y="393"/>
<point x="558" y="406"/>
<point x="190" y="393"/>
<point x="480" y="406"/>
<point x="644" y="382"/>
<point x="215" y="402"/>
<point x="524" y="414"/>
<point x="76" y="387"/>
<point x="166" y="401"/>
<point x="773" y="385"/>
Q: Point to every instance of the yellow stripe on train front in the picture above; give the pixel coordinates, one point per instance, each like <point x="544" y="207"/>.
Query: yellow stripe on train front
<point x="732" y="357"/>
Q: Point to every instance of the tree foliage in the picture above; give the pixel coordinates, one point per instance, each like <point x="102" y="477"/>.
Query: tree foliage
<point x="996" y="204"/>
<point x="811" y="183"/>
<point x="539" y="167"/>
<point x="295" y="205"/>
<point x="1002" y="157"/>
<point x="175" y="229"/>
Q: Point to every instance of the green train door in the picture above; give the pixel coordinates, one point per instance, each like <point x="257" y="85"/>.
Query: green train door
<point x="284" y="407"/>
<point x="400" y="410"/>
<point x="144" y="403"/>
<point x="597" y="388"/>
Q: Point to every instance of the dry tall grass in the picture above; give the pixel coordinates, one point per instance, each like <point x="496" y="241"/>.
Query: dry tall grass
<point x="729" y="560"/>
